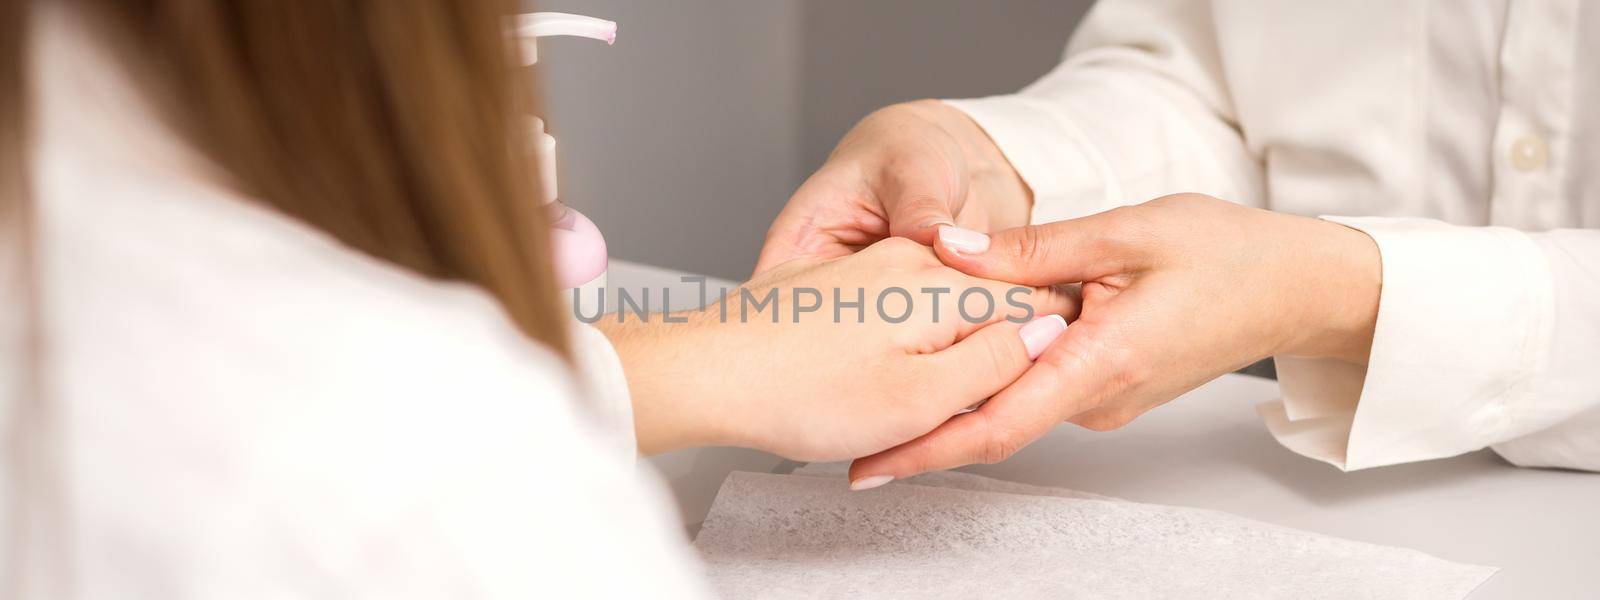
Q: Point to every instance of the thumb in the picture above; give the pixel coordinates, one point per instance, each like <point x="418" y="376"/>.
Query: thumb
<point x="917" y="206"/>
<point x="1068" y="251"/>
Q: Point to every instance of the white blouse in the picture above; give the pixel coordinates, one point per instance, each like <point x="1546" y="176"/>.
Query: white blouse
<point x="244" y="408"/>
<point x="1462" y="136"/>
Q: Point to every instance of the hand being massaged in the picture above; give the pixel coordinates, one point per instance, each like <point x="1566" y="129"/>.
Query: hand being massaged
<point x="780" y="365"/>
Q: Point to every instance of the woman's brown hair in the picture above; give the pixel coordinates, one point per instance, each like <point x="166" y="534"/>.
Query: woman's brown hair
<point x="394" y="125"/>
<point x="28" y="451"/>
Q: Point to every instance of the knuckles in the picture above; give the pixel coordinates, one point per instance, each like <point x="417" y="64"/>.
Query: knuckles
<point x="1028" y="243"/>
<point x="1149" y="225"/>
<point x="1001" y="444"/>
<point x="1129" y="228"/>
<point x="1000" y="362"/>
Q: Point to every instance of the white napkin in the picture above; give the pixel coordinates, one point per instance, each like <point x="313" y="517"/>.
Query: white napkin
<point x="956" y="535"/>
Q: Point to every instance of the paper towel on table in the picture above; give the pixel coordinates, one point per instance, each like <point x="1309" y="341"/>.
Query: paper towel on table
<point x="777" y="536"/>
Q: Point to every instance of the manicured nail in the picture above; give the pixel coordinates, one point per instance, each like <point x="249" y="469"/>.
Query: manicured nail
<point x="867" y="483"/>
<point x="1039" y="333"/>
<point x="963" y="241"/>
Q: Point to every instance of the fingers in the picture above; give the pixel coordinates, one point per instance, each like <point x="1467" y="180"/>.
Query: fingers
<point x="796" y="234"/>
<point x="990" y="359"/>
<point x="783" y="248"/>
<point x="1015" y="417"/>
<point x="834" y="213"/>
<point x="818" y="227"/>
<point x="779" y="247"/>
<point x="975" y="303"/>
<point x="1069" y="251"/>
<point x="1012" y="303"/>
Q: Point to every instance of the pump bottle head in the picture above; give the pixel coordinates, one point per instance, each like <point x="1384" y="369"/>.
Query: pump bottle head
<point x="532" y="26"/>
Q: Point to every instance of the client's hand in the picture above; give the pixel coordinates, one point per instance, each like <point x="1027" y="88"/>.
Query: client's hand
<point x="835" y="359"/>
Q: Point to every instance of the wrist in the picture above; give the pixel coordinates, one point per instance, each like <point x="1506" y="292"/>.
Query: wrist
<point x="1342" y="279"/>
<point x="669" y="382"/>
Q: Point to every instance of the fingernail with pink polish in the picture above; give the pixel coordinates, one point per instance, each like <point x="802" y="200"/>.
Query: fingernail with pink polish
<point x="867" y="483"/>
<point x="1039" y="333"/>
<point x="963" y="241"/>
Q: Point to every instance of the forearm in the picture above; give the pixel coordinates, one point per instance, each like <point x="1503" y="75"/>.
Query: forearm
<point x="667" y="373"/>
<point x="1328" y="300"/>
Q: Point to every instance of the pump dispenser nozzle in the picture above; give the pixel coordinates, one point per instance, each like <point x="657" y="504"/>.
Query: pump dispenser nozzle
<point x="531" y="27"/>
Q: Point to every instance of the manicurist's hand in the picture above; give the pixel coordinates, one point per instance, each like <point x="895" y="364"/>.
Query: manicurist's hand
<point x="816" y="386"/>
<point x="1176" y="292"/>
<point x="902" y="171"/>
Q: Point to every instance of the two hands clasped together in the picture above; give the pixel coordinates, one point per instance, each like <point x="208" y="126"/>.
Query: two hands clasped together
<point x="1161" y="297"/>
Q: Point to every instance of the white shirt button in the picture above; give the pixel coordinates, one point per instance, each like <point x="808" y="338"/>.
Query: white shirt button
<point x="1529" y="153"/>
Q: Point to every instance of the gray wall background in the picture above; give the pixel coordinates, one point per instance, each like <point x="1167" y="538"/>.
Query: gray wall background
<point x="685" y="139"/>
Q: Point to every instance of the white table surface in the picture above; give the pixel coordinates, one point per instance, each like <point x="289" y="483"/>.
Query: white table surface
<point x="1208" y="449"/>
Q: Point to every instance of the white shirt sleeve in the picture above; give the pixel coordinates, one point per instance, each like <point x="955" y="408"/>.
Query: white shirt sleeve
<point x="1138" y="109"/>
<point x="1486" y="337"/>
<point x="606" y="386"/>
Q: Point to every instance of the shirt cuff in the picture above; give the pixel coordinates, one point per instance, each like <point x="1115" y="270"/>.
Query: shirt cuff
<point x="1050" y="153"/>
<point x="1464" y="321"/>
<point x="606" y="387"/>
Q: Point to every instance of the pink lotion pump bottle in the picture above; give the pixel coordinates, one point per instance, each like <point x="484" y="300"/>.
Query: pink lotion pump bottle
<point x="579" y="249"/>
